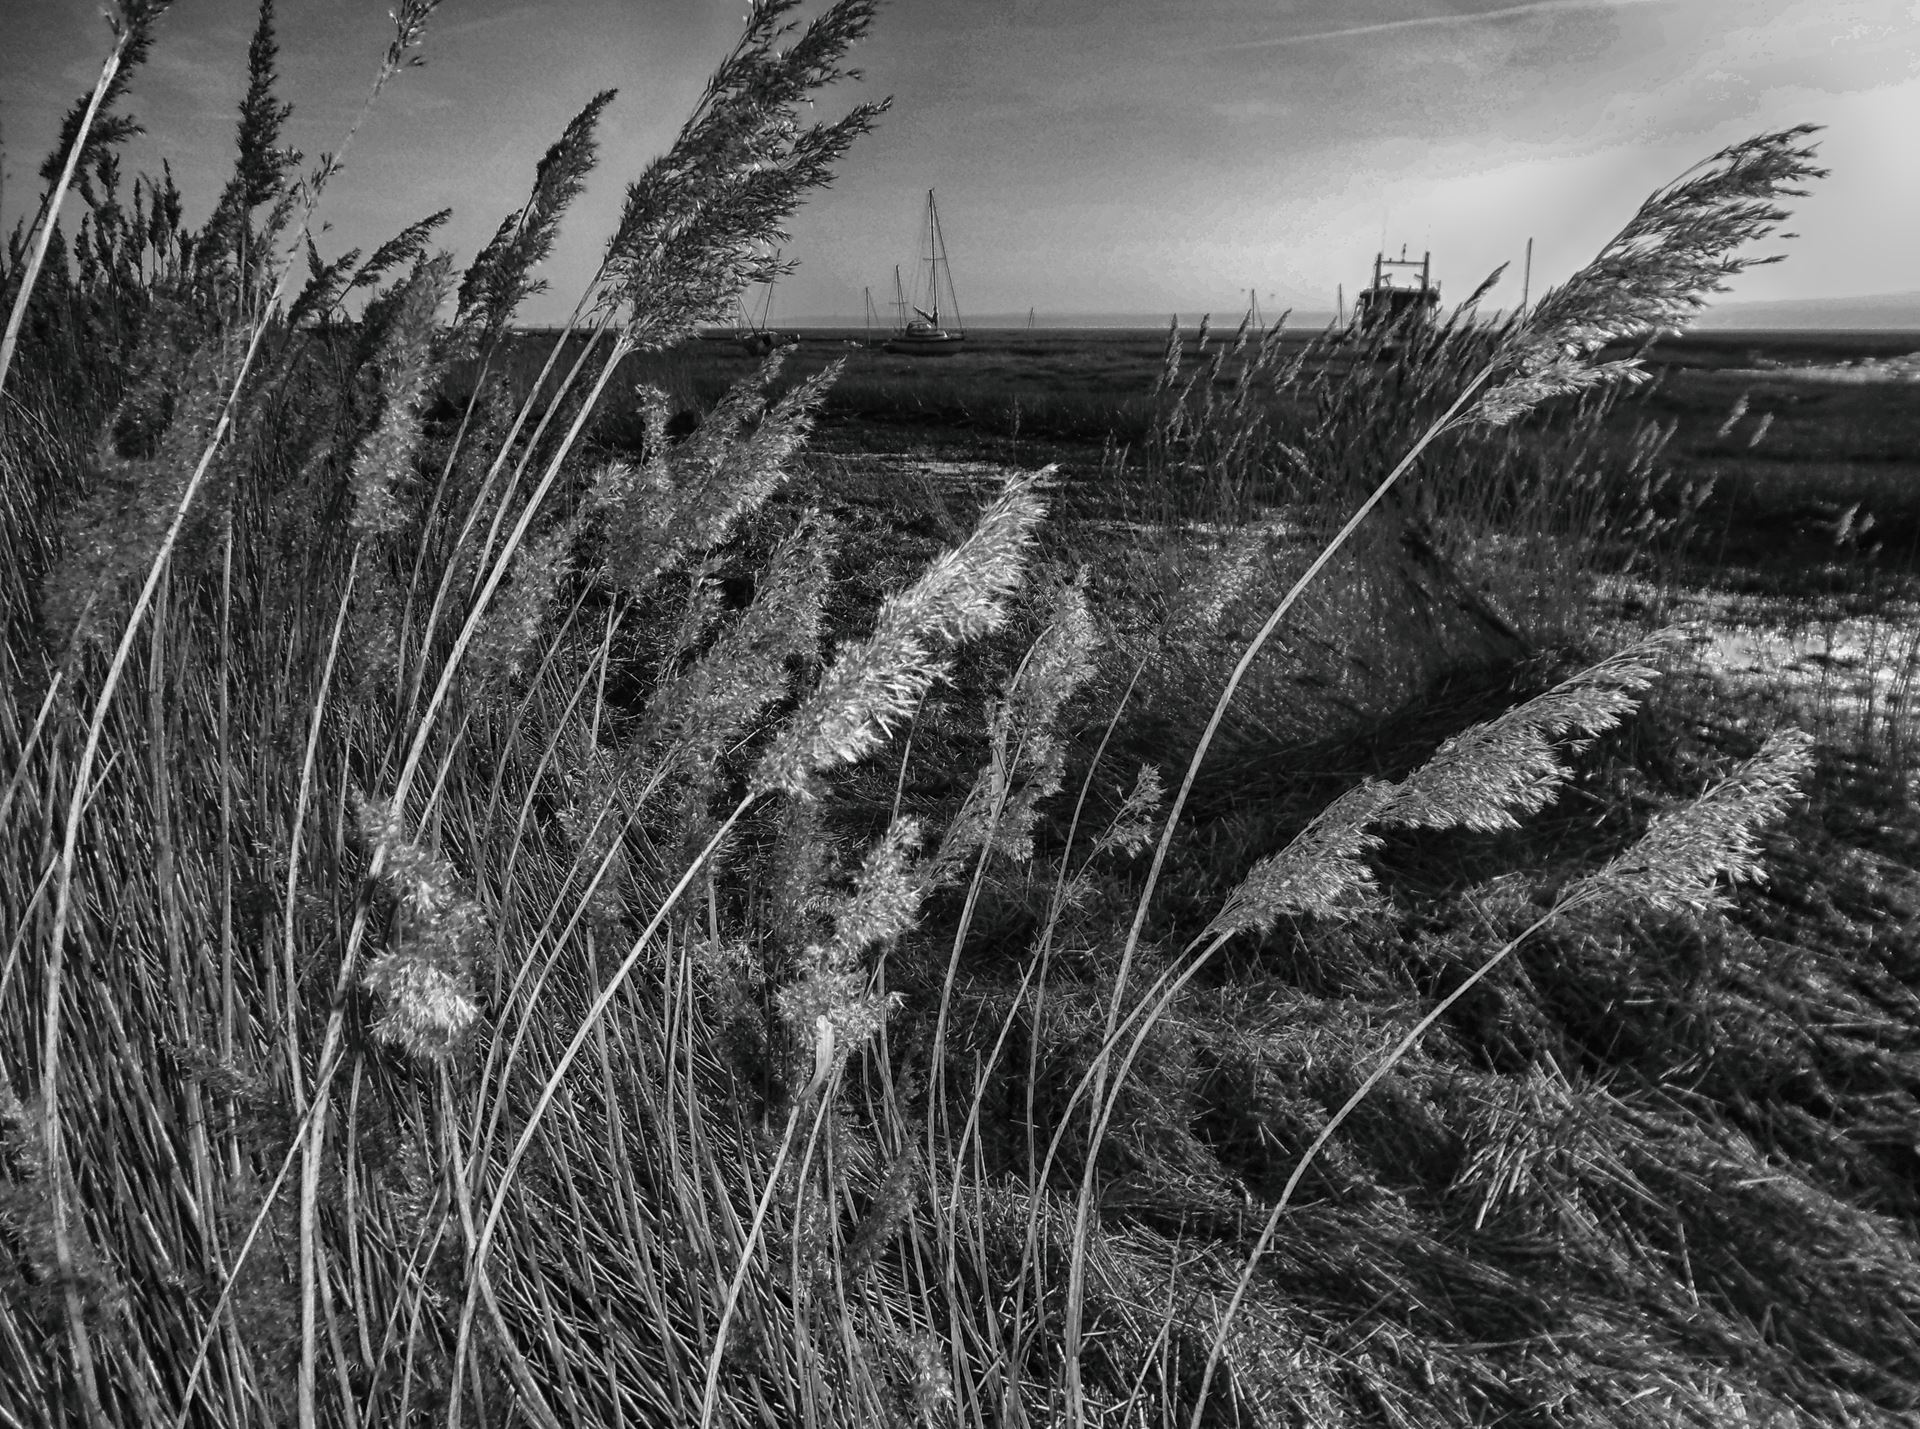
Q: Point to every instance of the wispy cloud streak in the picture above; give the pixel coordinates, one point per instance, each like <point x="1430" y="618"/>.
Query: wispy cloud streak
<point x="1422" y="22"/>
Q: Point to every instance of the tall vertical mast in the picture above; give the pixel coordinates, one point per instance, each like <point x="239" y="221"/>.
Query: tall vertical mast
<point x="933" y="266"/>
<point x="938" y="264"/>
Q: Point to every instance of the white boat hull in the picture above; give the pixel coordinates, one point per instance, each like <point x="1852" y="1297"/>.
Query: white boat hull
<point x="935" y="344"/>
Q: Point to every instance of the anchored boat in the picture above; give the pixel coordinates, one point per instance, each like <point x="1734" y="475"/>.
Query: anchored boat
<point x="1387" y="304"/>
<point x="923" y="334"/>
<point x="752" y="334"/>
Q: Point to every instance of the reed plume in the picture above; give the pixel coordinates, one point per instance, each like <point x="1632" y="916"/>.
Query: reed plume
<point x="425" y="979"/>
<point x="875" y="683"/>
<point x="1681" y="247"/>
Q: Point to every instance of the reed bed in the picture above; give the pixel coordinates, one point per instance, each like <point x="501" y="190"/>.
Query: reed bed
<point x="499" y="927"/>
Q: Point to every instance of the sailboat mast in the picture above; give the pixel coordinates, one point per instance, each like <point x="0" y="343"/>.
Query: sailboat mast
<point x="766" y="301"/>
<point x="933" y="262"/>
<point x="937" y="259"/>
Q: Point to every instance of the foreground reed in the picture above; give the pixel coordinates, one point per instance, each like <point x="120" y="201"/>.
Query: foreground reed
<point x="455" y="970"/>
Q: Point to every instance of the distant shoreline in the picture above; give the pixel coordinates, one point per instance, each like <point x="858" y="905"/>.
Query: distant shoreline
<point x="1877" y="336"/>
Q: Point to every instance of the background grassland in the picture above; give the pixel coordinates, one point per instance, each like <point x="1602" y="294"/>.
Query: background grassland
<point x="684" y="894"/>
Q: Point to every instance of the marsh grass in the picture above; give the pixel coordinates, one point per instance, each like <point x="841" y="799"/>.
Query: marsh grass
<point x="511" y="914"/>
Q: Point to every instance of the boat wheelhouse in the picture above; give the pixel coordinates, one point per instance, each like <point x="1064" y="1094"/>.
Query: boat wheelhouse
<point x="1389" y="305"/>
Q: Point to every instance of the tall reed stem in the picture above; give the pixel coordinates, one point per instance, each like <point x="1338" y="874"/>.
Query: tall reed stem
<point x="50" y="212"/>
<point x="1076" y="1274"/>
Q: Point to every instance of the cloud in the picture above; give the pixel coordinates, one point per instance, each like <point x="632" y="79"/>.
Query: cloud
<point x="1527" y="7"/>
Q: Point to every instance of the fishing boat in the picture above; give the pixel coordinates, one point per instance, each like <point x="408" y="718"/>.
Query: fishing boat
<point x="923" y="334"/>
<point x="1387" y="305"/>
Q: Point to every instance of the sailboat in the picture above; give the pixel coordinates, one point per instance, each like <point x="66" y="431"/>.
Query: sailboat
<point x="922" y="334"/>
<point x="754" y="335"/>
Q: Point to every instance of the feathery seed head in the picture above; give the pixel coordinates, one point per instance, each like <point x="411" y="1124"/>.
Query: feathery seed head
<point x="688" y="498"/>
<point x="513" y="623"/>
<point x="428" y="1008"/>
<point x="1132" y="826"/>
<point x="1653" y="276"/>
<point x="1028" y="760"/>
<point x="383" y="466"/>
<point x="707" y="707"/>
<point x="1677" y="864"/>
<point x="1320" y="872"/>
<point x="963" y="592"/>
<point x="892" y="1203"/>
<point x="885" y="901"/>
<point x="699" y="222"/>
<point x="1482" y="778"/>
<point x="932" y="1380"/>
<point x="500" y="280"/>
<point x="424" y="979"/>
<point x="875" y="683"/>
<point x="838" y="1013"/>
<point x="831" y="997"/>
<point x="1061" y="660"/>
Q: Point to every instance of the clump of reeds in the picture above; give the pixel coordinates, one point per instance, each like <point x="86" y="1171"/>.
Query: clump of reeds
<point x="453" y="974"/>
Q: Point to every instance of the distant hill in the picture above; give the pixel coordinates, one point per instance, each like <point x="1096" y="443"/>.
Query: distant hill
<point x="1878" y="311"/>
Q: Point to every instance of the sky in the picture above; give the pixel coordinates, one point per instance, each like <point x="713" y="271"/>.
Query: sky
<point x="1152" y="157"/>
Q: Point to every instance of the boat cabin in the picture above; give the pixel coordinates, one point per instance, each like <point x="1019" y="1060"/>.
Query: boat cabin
<point x="1388" y="303"/>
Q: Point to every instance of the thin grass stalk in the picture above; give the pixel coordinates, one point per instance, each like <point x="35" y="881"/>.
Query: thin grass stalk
<point x="547" y="414"/>
<point x="64" y="877"/>
<point x="497" y="784"/>
<point x="220" y="1306"/>
<point x="453" y="454"/>
<point x="808" y="1370"/>
<point x="500" y="460"/>
<point x="1056" y="906"/>
<point x="408" y="771"/>
<point x="27" y="747"/>
<point x="224" y="755"/>
<point x="357" y="1275"/>
<point x="1581" y="896"/>
<point x="420" y="1255"/>
<point x="63" y="888"/>
<point x="751" y="1242"/>
<point x="483" y="1142"/>
<point x="533" y="1401"/>
<point x="551" y="1086"/>
<point x="310" y="1176"/>
<point x="51" y="214"/>
<point x="409" y="766"/>
<point x="290" y="1029"/>
<point x="935" y="1078"/>
<point x="1082" y="1210"/>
